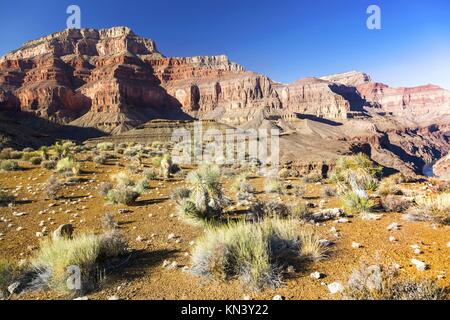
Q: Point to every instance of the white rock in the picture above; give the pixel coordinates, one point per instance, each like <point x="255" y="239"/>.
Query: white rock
<point x="278" y="297"/>
<point x="393" y="226"/>
<point x="420" y="265"/>
<point x="356" y="245"/>
<point x="335" y="287"/>
<point x="114" y="297"/>
<point x="417" y="251"/>
<point x="139" y="239"/>
<point x="171" y="236"/>
<point x="392" y="239"/>
<point x="343" y="220"/>
<point x="317" y="275"/>
<point x="166" y="263"/>
<point x="81" y="298"/>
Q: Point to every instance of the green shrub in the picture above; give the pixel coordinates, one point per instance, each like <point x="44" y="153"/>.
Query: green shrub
<point x="206" y="200"/>
<point x="67" y="166"/>
<point x="354" y="203"/>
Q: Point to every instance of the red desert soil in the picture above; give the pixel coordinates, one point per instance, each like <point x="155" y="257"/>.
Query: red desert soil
<point x="153" y="218"/>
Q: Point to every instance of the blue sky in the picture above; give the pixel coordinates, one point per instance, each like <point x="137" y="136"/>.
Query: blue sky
<point x="285" y="39"/>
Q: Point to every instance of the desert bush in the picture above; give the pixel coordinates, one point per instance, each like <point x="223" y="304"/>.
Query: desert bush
<point x="108" y="222"/>
<point x="141" y="186"/>
<point x="206" y="199"/>
<point x="51" y="188"/>
<point x="7" y="274"/>
<point x="375" y="282"/>
<point x="27" y="156"/>
<point x="434" y="207"/>
<point x="273" y="185"/>
<point x="122" y="195"/>
<point x="300" y="211"/>
<point x="312" y="177"/>
<point x="284" y="173"/>
<point x="393" y="203"/>
<point x="100" y="159"/>
<point x="49" y="165"/>
<point x="165" y="166"/>
<point x="9" y="165"/>
<point x="150" y="174"/>
<point x="86" y="251"/>
<point x="180" y="194"/>
<point x="388" y="187"/>
<point x="355" y="203"/>
<point x="358" y="167"/>
<point x="241" y="184"/>
<point x="122" y="179"/>
<point x="36" y="160"/>
<point x="104" y="188"/>
<point x="67" y="166"/>
<point x="255" y="253"/>
<point x="105" y="146"/>
<point x="274" y="209"/>
<point x="63" y="149"/>
<point x="328" y="191"/>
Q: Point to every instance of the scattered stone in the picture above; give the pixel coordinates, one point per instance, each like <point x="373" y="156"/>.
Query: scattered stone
<point x="420" y="265"/>
<point x="13" y="288"/>
<point x="139" y="239"/>
<point x="417" y="251"/>
<point x="328" y="214"/>
<point x="114" y="297"/>
<point x="326" y="243"/>
<point x="371" y="216"/>
<point x="81" y="298"/>
<point x="166" y="263"/>
<point x="39" y="234"/>
<point x="393" y="227"/>
<point x="246" y="297"/>
<point x="335" y="287"/>
<point x="343" y="220"/>
<point x="171" y="236"/>
<point x="317" y="275"/>
<point x="356" y="245"/>
<point x="393" y="239"/>
<point x="278" y="297"/>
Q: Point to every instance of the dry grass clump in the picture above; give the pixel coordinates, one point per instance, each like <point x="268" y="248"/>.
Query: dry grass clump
<point x="101" y="158"/>
<point x="122" y="178"/>
<point x="241" y="183"/>
<point x="206" y="201"/>
<point x="375" y="282"/>
<point x="104" y="188"/>
<point x="105" y="146"/>
<point x="86" y="251"/>
<point x="180" y="194"/>
<point x="150" y="174"/>
<point x="48" y="164"/>
<point x="392" y="203"/>
<point x="435" y="207"/>
<point x="312" y="177"/>
<point x="255" y="253"/>
<point x="122" y="195"/>
<point x="9" y="153"/>
<point x="328" y="192"/>
<point x="388" y="186"/>
<point x="270" y="209"/>
<point x="52" y="187"/>
<point x="273" y="185"/>
<point x="9" y="165"/>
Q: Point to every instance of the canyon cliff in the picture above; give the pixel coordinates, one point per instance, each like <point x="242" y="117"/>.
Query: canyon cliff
<point x="113" y="81"/>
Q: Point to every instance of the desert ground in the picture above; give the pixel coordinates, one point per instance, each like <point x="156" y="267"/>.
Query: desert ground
<point x="160" y="243"/>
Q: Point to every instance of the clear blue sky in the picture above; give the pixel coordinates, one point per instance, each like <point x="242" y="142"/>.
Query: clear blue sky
<point x="287" y="40"/>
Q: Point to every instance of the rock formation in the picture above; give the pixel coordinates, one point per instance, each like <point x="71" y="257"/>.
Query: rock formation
<point x="442" y="167"/>
<point x="114" y="80"/>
